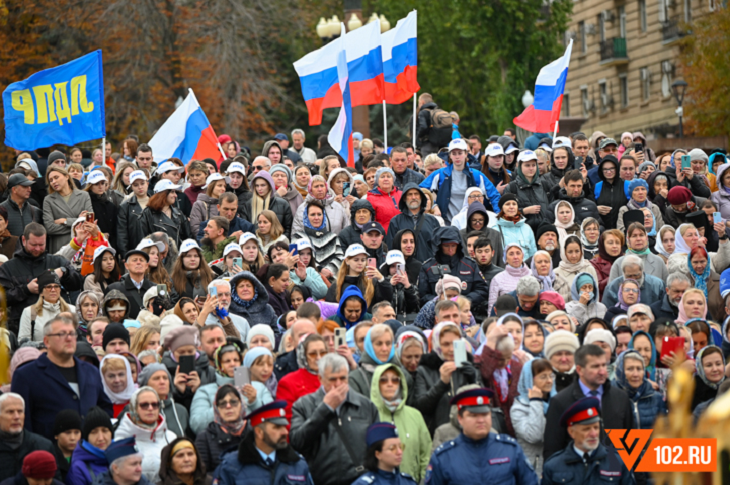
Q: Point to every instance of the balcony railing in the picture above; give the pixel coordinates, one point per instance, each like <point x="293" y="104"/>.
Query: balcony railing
<point x="613" y="51"/>
<point x="672" y="31"/>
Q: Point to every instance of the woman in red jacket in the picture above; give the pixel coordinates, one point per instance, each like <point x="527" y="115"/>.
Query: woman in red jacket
<point x="305" y="380"/>
<point x="385" y="197"/>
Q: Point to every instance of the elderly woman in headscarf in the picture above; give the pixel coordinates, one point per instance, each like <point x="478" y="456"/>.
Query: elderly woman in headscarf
<point x="335" y="214"/>
<point x="638" y="194"/>
<point x="305" y="380"/>
<point x="706" y="280"/>
<point x="116" y="378"/>
<point x="542" y="269"/>
<point x="227" y="428"/>
<point x="710" y="366"/>
<point x="628" y="293"/>
<point x="410" y="345"/>
<point x="88" y="307"/>
<point x="379" y="348"/>
<point x="686" y="238"/>
<point x="648" y="404"/>
<point x="590" y="232"/>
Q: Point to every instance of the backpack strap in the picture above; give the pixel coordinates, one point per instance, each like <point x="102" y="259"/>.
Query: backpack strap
<point x="33" y="316"/>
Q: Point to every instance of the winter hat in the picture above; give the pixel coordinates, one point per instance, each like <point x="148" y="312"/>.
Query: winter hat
<point x="644" y="166"/>
<point x="254" y="354"/>
<point x="447" y="282"/>
<point x="55" y="155"/>
<point x="95" y="418"/>
<point x="167" y="324"/>
<point x="600" y="335"/>
<point x="260" y="329"/>
<point x="184" y="335"/>
<point x="506" y="198"/>
<point x="637" y="182"/>
<point x="280" y="167"/>
<point x="149" y="369"/>
<point x="48" y="278"/>
<point x="560" y="340"/>
<point x="39" y="465"/>
<point x="553" y="297"/>
<point x="381" y="171"/>
<point x="679" y="195"/>
<point x="585" y="279"/>
<point x="66" y="420"/>
<point x="114" y="331"/>
<point x="625" y="134"/>
<point x="543" y="228"/>
<point x="698" y="154"/>
<point x="24" y="355"/>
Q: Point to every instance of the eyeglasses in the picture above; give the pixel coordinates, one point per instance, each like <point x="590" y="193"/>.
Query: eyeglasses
<point x="391" y="379"/>
<point x="230" y="402"/>
<point x="52" y="287"/>
<point x="631" y="290"/>
<point x="315" y="353"/>
<point x="475" y="196"/>
<point x="258" y="167"/>
<point x="609" y="170"/>
<point x="62" y="335"/>
<point x="546" y="377"/>
<point x="477" y="221"/>
<point x="392" y="448"/>
<point x="149" y="405"/>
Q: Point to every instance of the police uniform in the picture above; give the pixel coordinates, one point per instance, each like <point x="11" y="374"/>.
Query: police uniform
<point x="377" y="432"/>
<point x="573" y="467"/>
<point x="496" y="459"/>
<point x="246" y="466"/>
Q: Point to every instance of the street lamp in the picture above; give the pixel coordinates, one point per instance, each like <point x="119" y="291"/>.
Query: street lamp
<point x="527" y="99"/>
<point x="679" y="87"/>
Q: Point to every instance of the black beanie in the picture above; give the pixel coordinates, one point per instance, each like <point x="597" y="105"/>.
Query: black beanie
<point x="114" y="331"/>
<point x="55" y="155"/>
<point x="95" y="418"/>
<point x="66" y="420"/>
<point x="506" y="198"/>
<point x="543" y="228"/>
<point x="48" y="278"/>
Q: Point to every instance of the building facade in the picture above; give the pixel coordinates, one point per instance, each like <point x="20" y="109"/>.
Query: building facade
<point x="624" y="62"/>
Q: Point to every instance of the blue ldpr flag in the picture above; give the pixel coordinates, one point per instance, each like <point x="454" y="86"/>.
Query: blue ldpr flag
<point x="61" y="105"/>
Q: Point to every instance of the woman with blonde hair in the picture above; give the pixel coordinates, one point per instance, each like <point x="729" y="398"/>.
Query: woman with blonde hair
<point x="63" y="205"/>
<point x="269" y="230"/>
<point x="156" y="271"/>
<point x="355" y="271"/>
<point x="117" y="380"/>
<point x="49" y="306"/>
<point x="147" y="337"/>
<point x="206" y="207"/>
<point x="191" y="274"/>
<point x="120" y="182"/>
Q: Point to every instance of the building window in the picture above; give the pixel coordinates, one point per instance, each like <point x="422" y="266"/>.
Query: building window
<point x="601" y="27"/>
<point x="624" y="83"/>
<point x="667" y="69"/>
<point x="645" y="77"/>
<point x="642" y="15"/>
<point x="663" y="13"/>
<point x="566" y="104"/>
<point x="584" y="101"/>
<point x="583" y="37"/>
<point x="622" y="21"/>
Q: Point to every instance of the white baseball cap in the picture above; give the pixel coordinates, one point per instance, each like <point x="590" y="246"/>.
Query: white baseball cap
<point x="394" y="256"/>
<point x="304" y="244"/>
<point x="165" y="184"/>
<point x="458" y="144"/>
<point x="230" y="248"/>
<point x="187" y="245"/>
<point x="236" y="167"/>
<point x="169" y="167"/>
<point x="98" y="252"/>
<point x="137" y="175"/>
<point x="511" y="148"/>
<point x="214" y="177"/>
<point x="148" y="243"/>
<point x="354" y="250"/>
<point x="546" y="146"/>
<point x="494" y="150"/>
<point x="562" y="141"/>
<point x="95" y="177"/>
<point x="526" y="155"/>
<point x="246" y="237"/>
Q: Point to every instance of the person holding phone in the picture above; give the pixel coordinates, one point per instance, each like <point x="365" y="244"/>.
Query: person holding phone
<point x="190" y="369"/>
<point x="342" y="184"/>
<point x="86" y="239"/>
<point x="405" y="299"/>
<point x="228" y="266"/>
<point x="356" y="271"/>
<point x="104" y="210"/>
<point x="303" y="270"/>
<point x="215" y="311"/>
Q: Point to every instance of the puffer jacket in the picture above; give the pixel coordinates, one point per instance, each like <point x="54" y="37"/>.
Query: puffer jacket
<point x="431" y="396"/>
<point x="646" y="403"/>
<point x="212" y="442"/>
<point x="351" y="234"/>
<point x="149" y="442"/>
<point x="528" y="418"/>
<point x="169" y="477"/>
<point x="529" y="194"/>
<point x="19" y="218"/>
<point x="176" y="227"/>
<point x="337" y="217"/>
<point x="519" y="233"/>
<point x="204" y="209"/>
<point x="314" y="435"/>
<point x="258" y="310"/>
<point x="405" y="220"/>
<point x="87" y="462"/>
<point x="410" y="423"/>
<point x="129" y="225"/>
<point x="583" y="313"/>
<point x="386" y="205"/>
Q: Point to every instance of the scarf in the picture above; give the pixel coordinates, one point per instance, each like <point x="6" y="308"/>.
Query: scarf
<point x="124" y="396"/>
<point x="245" y="304"/>
<point x="436" y="337"/>
<point x="680" y="245"/>
<point x="218" y="355"/>
<point x="393" y="405"/>
<point x="302" y="358"/>
<point x="525" y="384"/>
<point x="513" y="219"/>
<point x="634" y="393"/>
<point x="591" y="248"/>
<point x="659" y="245"/>
<point x="621" y="303"/>
<point x="236" y="427"/>
<point x="700" y="279"/>
<point x="546" y="282"/>
<point x="309" y="225"/>
<point x="634" y="205"/>
<point x="520" y="272"/>
<point x="683" y="318"/>
<point x="701" y="369"/>
<point x="12" y="440"/>
<point x="650" y="370"/>
<point x="643" y="252"/>
<point x="563" y="227"/>
<point x="501" y="378"/>
<point x="370" y="351"/>
<point x="573" y="267"/>
<point x="603" y="254"/>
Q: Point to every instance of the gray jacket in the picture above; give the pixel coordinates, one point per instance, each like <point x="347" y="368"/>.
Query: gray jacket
<point x="19" y="218"/>
<point x="54" y="207"/>
<point x="315" y="434"/>
<point x="653" y="265"/>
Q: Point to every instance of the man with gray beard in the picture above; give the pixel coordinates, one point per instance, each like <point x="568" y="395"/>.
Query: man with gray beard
<point x="547" y="240"/>
<point x="413" y="216"/>
<point x="668" y="307"/>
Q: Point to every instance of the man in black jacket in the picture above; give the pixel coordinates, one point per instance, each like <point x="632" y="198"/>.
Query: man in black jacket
<point x="403" y="174"/>
<point x="591" y="366"/>
<point x="361" y="212"/>
<point x="668" y="307"/>
<point x="449" y="251"/>
<point x="19" y="276"/>
<point x="134" y="284"/>
<point x="413" y="213"/>
<point x="20" y="211"/>
<point x="573" y="193"/>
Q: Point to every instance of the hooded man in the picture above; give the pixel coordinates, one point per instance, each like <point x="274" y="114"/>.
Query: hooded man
<point x="477" y="220"/>
<point x="361" y="212"/>
<point x="610" y="192"/>
<point x="413" y="216"/>
<point x="449" y="252"/>
<point x="531" y="195"/>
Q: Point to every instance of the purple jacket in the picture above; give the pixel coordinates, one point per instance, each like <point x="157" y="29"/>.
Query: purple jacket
<point x="86" y="457"/>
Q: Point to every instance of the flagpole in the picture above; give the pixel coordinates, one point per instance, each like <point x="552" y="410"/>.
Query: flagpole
<point x="222" y="152"/>
<point x="103" y="151"/>
<point x="555" y="133"/>
<point x="385" y="126"/>
<point x="414" y="122"/>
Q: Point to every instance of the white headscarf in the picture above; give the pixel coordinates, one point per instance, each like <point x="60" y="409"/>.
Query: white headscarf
<point x="659" y="245"/>
<point x="118" y="397"/>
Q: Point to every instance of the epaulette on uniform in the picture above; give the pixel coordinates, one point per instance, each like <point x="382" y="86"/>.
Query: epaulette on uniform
<point x="505" y="438"/>
<point x="447" y="445"/>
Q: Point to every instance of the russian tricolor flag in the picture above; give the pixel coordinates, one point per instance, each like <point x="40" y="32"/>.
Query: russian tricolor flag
<point x="400" y="60"/>
<point x="340" y="136"/>
<point x="544" y="112"/>
<point x="186" y="134"/>
<point x="318" y="72"/>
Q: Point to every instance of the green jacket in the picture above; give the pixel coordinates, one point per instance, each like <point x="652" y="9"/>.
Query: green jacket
<point x="412" y="429"/>
<point x="218" y="253"/>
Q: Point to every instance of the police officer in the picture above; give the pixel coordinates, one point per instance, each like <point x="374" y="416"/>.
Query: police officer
<point x="585" y="460"/>
<point x="383" y="456"/>
<point x="476" y="455"/>
<point x="264" y="455"/>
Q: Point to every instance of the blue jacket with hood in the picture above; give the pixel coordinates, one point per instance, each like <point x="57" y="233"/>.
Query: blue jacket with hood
<point x="86" y="459"/>
<point x="440" y="183"/>
<point x="583" y="313"/>
<point x="351" y="291"/>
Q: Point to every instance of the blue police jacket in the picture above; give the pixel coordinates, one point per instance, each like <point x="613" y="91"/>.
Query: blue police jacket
<point x="245" y="466"/>
<point x="495" y="459"/>
<point x="604" y="467"/>
<point x="381" y="477"/>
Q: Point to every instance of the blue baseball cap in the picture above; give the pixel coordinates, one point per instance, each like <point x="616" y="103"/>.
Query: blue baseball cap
<point x="121" y="448"/>
<point x="379" y="432"/>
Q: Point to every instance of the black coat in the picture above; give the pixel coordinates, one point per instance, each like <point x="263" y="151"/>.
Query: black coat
<point x="532" y="193"/>
<point x="405" y="220"/>
<point x="662" y="309"/>
<point x="582" y="207"/>
<point x="130" y="229"/>
<point x="11" y="461"/>
<point x="212" y="442"/>
<point x="105" y="213"/>
<point x="614" y="311"/>
<point x="494" y="236"/>
<point x="614" y="399"/>
<point x="383" y="290"/>
<point x="702" y="393"/>
<point x="611" y="194"/>
<point x="177" y="226"/>
<point x="351" y="234"/>
<point x="695" y="185"/>
<point x="413" y="264"/>
<point x="135" y="296"/>
<point x="285" y="364"/>
<point x="244" y="198"/>
<point x="280" y="207"/>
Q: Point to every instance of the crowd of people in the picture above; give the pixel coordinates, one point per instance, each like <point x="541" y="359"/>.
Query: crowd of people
<point x="461" y="311"/>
